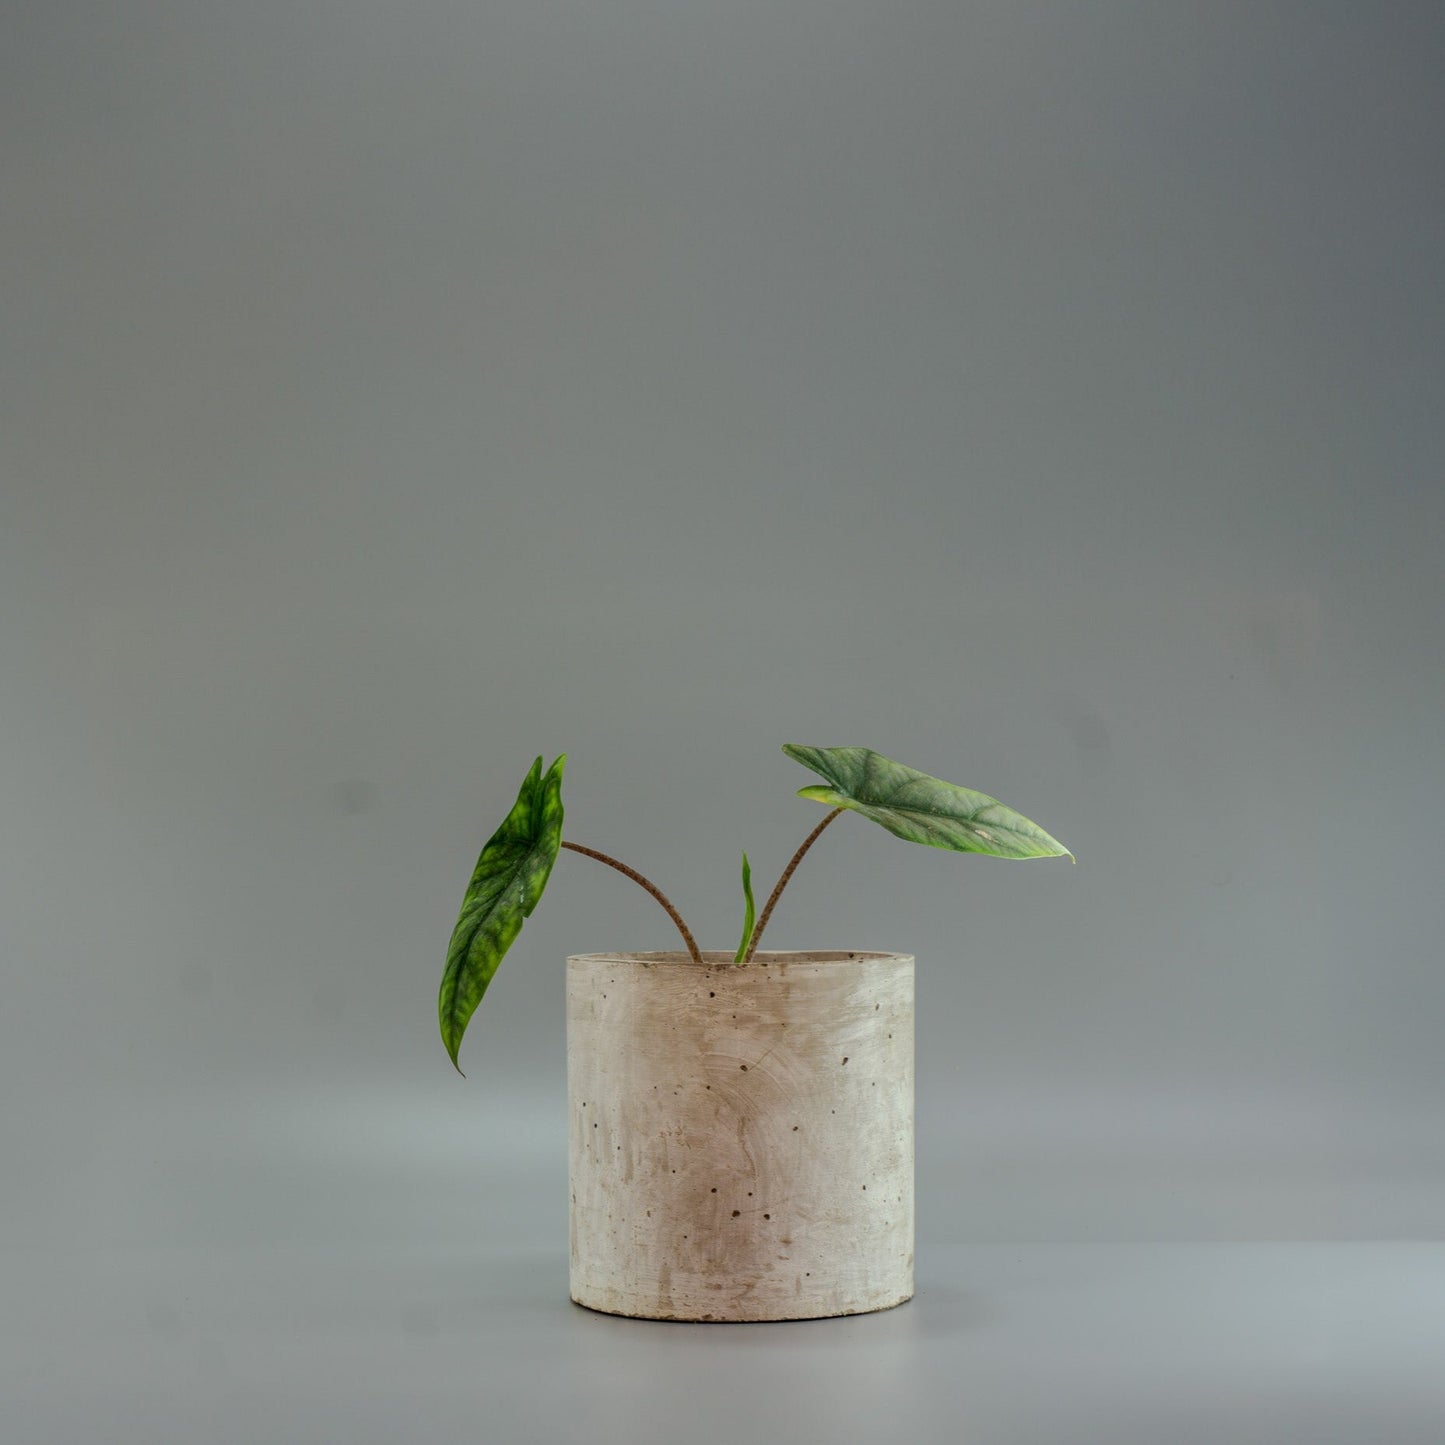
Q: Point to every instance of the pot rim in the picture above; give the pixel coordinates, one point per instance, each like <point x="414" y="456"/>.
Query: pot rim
<point x="717" y="958"/>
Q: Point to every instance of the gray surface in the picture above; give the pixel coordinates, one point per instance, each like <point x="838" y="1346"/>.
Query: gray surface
<point x="1329" y="1343"/>
<point x="1049" y="396"/>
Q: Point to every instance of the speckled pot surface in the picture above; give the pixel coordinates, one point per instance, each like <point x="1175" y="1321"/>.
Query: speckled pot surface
<point x="741" y="1134"/>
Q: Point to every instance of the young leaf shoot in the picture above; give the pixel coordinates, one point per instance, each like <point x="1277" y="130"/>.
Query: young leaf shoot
<point x="747" y="913"/>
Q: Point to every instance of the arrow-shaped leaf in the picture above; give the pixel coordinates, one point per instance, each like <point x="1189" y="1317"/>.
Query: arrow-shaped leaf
<point x="508" y="880"/>
<point x="921" y="808"/>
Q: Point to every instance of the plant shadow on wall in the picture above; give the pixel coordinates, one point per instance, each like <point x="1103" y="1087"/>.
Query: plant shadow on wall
<point x="516" y="863"/>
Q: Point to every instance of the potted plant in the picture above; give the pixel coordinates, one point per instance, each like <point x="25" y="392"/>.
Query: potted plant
<point x="741" y="1123"/>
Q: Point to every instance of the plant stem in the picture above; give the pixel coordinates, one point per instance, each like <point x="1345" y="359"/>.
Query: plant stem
<point x="783" y="883"/>
<point x="651" y="887"/>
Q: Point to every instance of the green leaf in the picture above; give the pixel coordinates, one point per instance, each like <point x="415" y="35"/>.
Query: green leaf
<point x="748" y="916"/>
<point x="920" y="808"/>
<point x="506" y="884"/>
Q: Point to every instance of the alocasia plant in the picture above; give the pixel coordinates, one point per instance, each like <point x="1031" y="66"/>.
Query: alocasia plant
<point x="517" y="860"/>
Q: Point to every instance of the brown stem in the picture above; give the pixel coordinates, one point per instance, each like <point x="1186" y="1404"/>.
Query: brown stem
<point x="783" y="883"/>
<point x="651" y="887"/>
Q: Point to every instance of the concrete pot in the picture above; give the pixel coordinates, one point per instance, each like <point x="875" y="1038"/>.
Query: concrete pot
<point x="741" y="1134"/>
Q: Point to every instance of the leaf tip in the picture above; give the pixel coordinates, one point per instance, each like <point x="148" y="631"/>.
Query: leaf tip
<point x="453" y="1048"/>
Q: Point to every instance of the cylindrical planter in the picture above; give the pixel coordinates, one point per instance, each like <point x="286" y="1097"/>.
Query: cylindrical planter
<point x="741" y="1134"/>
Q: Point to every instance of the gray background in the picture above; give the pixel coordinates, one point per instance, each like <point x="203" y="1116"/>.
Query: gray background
<point x="1046" y="395"/>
